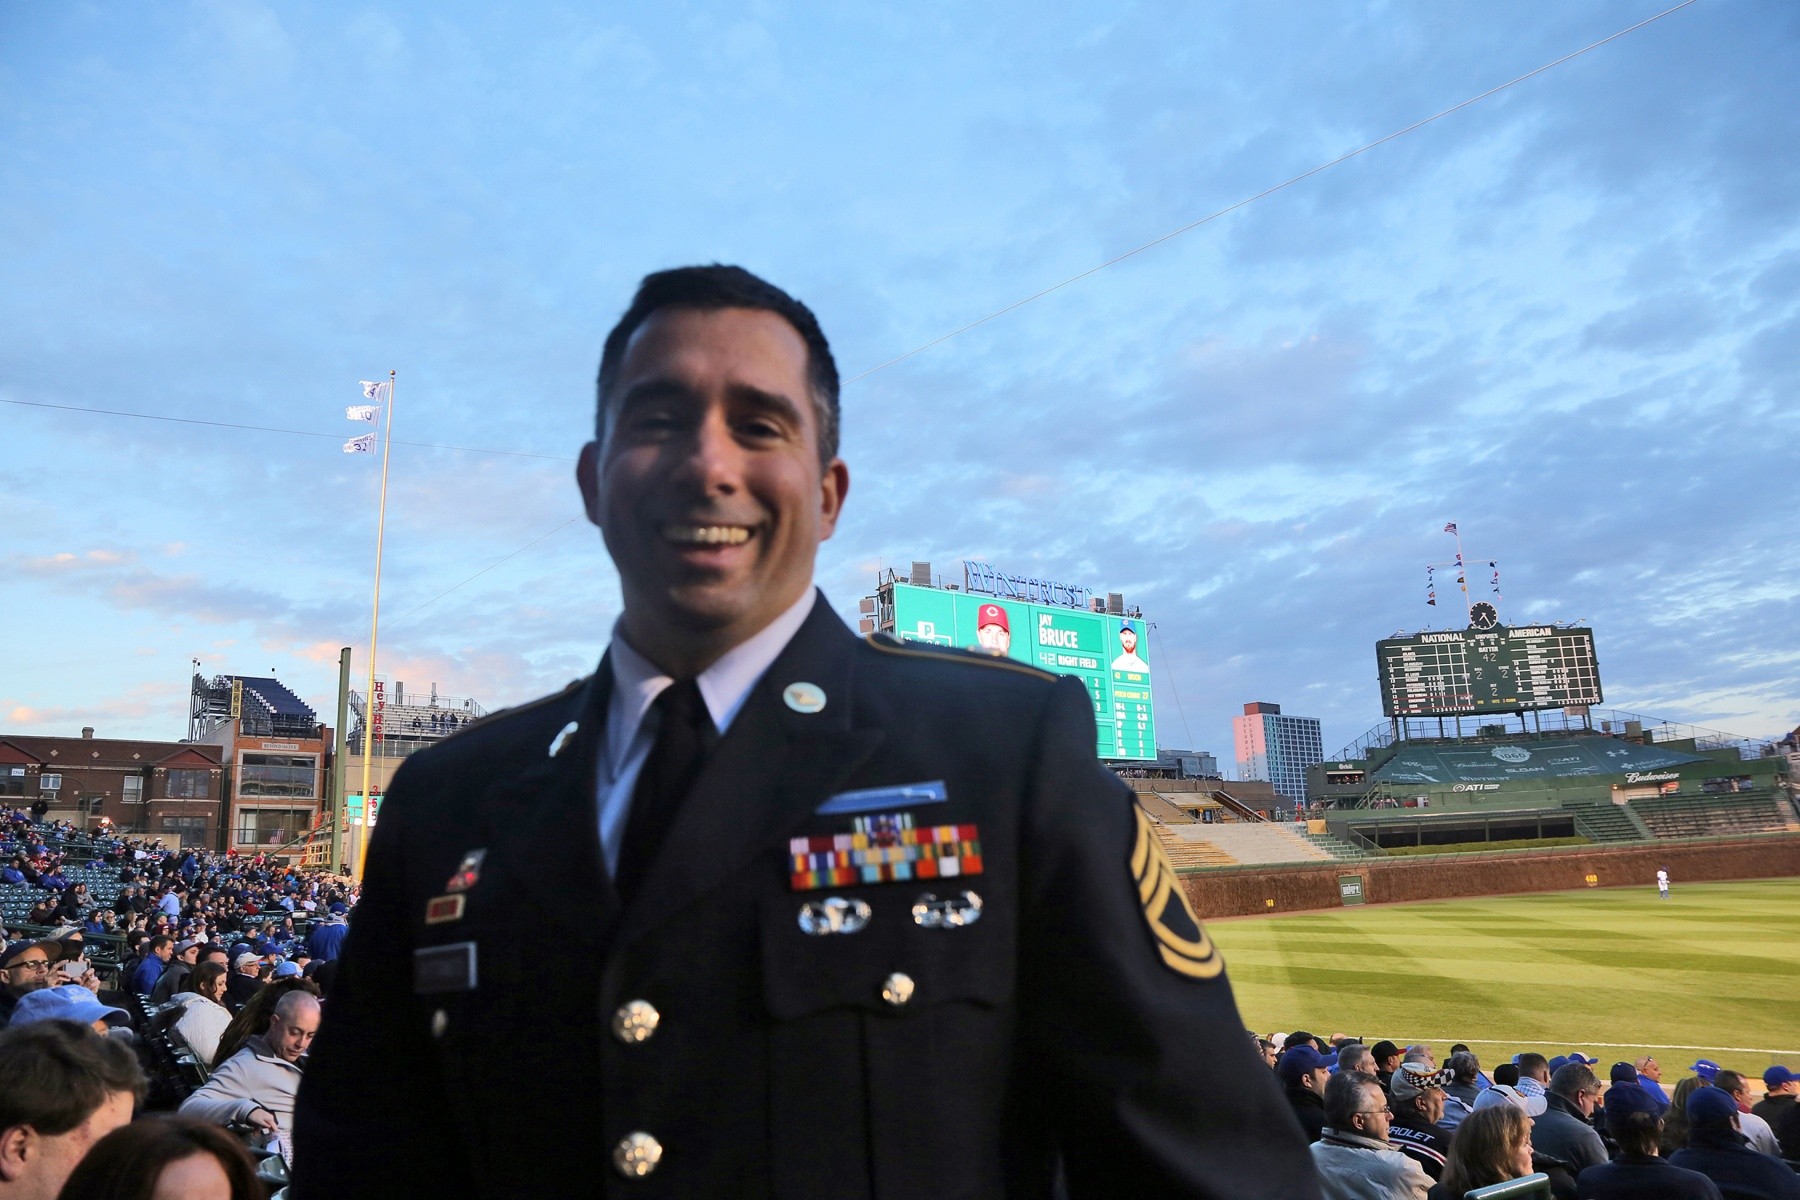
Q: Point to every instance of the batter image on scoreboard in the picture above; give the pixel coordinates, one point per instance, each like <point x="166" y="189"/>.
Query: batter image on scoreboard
<point x="1128" y="642"/>
<point x="993" y="631"/>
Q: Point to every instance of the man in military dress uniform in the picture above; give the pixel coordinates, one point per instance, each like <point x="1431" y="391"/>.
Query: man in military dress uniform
<point x="835" y="918"/>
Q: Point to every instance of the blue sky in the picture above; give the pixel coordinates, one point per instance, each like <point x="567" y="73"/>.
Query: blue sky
<point x="1567" y="318"/>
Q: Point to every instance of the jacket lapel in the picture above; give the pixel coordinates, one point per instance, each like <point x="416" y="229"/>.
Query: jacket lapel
<point x="543" y="825"/>
<point x="772" y="768"/>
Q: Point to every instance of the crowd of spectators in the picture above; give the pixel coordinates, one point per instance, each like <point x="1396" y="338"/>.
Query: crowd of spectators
<point x="224" y="963"/>
<point x="1387" y="1122"/>
<point x="195" y="992"/>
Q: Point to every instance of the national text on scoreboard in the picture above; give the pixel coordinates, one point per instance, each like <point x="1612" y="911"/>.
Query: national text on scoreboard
<point x="1106" y="651"/>
<point x="1505" y="669"/>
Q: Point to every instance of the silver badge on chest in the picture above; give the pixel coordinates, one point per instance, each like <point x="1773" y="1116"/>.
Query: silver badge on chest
<point x="834" y="914"/>
<point x="952" y="912"/>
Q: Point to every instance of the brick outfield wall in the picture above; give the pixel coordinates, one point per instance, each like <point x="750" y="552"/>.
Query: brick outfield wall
<point x="1236" y="893"/>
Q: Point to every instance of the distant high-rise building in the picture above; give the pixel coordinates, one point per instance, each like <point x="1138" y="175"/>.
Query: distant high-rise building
<point x="1277" y="748"/>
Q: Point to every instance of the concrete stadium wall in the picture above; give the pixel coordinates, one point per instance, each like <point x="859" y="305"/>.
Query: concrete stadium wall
<point x="1236" y="892"/>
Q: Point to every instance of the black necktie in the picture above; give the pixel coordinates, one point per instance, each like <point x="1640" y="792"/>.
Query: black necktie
<point x="684" y="734"/>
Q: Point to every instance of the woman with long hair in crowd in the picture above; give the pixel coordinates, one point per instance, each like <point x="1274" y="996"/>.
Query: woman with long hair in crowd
<point x="156" y="1157"/>
<point x="1492" y="1145"/>
<point x="1675" y="1121"/>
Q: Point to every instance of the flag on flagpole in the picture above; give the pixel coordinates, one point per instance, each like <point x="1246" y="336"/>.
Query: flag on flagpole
<point x="361" y="412"/>
<point x="360" y="445"/>
<point x="375" y="391"/>
<point x="1450" y="528"/>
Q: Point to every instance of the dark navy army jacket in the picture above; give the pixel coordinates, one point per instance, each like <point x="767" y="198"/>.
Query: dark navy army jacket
<point x="750" y="1026"/>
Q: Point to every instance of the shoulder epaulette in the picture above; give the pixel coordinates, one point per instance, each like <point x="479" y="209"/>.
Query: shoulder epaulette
<point x="574" y="686"/>
<point x="888" y="644"/>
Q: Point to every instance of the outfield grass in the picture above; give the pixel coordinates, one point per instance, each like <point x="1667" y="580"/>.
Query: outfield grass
<point x="1713" y="971"/>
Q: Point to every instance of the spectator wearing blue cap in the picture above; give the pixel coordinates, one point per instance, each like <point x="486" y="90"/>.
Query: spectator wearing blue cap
<point x="1304" y="1073"/>
<point x="327" y="937"/>
<point x="1706" y="1069"/>
<point x="1563" y="1131"/>
<point x="1778" y="1107"/>
<point x="1625" y="1074"/>
<point x="1756" y="1131"/>
<point x="1638" y="1173"/>
<point x="1716" y="1149"/>
<point x="68" y="1002"/>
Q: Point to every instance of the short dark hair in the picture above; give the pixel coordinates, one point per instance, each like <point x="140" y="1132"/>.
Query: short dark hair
<point x="159" y="941"/>
<point x="1728" y="1081"/>
<point x="59" y="1073"/>
<point x="1344" y="1096"/>
<point x="1571" y="1079"/>
<point x="714" y="287"/>
<point x="1506" y="1074"/>
<point x="125" y="1164"/>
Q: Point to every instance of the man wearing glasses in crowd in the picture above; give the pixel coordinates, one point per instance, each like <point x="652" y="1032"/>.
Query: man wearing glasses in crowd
<point x="25" y="966"/>
<point x="1354" y="1157"/>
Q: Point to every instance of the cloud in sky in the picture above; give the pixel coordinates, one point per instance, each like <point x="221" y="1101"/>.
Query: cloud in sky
<point x="1567" y="318"/>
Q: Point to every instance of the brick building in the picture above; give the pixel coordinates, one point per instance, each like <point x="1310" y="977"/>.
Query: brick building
<point x="171" y="790"/>
<point x="275" y="754"/>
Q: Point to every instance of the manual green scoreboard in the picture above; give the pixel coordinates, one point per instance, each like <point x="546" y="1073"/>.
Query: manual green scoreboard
<point x="1106" y="651"/>
<point x="1500" y="669"/>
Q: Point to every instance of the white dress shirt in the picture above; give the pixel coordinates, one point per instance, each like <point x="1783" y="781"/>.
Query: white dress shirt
<point x="637" y="682"/>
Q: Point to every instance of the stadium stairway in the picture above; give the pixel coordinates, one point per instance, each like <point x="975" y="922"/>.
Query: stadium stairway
<point x="1604" y="821"/>
<point x="1336" y="847"/>
<point x="1253" y="842"/>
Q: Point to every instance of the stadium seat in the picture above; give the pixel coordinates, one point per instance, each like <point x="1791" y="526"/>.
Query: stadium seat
<point x="1537" y="1185"/>
<point x="273" y="1172"/>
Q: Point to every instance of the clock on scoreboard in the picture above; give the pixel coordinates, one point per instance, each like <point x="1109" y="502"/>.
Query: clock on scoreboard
<point x="1487" y="668"/>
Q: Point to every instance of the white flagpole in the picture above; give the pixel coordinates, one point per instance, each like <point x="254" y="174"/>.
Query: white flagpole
<point x="1462" y="576"/>
<point x="387" y="441"/>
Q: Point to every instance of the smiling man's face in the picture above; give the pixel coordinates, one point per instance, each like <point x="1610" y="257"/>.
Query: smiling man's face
<point x="707" y="485"/>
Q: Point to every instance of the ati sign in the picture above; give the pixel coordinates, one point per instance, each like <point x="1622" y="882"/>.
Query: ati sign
<point x="1350" y="889"/>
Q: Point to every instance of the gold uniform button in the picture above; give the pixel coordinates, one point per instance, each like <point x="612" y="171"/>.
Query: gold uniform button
<point x="897" y="989"/>
<point x="635" y="1021"/>
<point x="636" y="1155"/>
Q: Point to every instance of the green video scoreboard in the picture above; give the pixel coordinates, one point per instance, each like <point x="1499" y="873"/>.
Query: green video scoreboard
<point x="1503" y="669"/>
<point x="1103" y="650"/>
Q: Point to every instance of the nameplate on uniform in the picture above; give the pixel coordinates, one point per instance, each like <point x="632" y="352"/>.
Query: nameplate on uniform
<point x="439" y="969"/>
<point x="904" y="795"/>
<point x="445" y="908"/>
<point x="884" y="848"/>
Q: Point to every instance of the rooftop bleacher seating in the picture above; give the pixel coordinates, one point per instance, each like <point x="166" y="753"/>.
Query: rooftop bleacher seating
<point x="1679" y="816"/>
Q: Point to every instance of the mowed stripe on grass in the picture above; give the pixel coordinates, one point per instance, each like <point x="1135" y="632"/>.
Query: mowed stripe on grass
<point x="1715" y="966"/>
